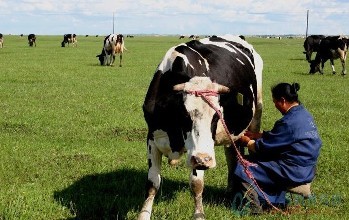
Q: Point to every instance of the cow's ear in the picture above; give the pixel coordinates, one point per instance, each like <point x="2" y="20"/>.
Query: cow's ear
<point x="179" y="87"/>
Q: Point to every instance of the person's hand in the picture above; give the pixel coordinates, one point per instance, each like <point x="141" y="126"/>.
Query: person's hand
<point x="244" y="140"/>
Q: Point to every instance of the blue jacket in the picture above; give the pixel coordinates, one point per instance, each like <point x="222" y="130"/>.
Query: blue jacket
<point x="286" y="156"/>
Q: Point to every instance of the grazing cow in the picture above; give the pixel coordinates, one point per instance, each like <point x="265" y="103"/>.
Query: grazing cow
<point x="181" y="37"/>
<point x="69" y="39"/>
<point x="113" y="44"/>
<point x="32" y="40"/>
<point x="1" y="40"/>
<point x="194" y="37"/>
<point x="242" y="37"/>
<point x="330" y="48"/>
<point x="193" y="81"/>
<point x="311" y="44"/>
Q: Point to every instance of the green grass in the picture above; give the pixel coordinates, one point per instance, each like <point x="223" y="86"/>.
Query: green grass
<point x="72" y="133"/>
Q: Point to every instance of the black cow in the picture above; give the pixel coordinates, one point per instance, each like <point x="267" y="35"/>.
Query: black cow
<point x="113" y="44"/>
<point x="69" y="39"/>
<point x="32" y="40"/>
<point x="311" y="44"/>
<point x="330" y="48"/>
<point x="181" y="37"/>
<point x="228" y="72"/>
<point x="1" y="40"/>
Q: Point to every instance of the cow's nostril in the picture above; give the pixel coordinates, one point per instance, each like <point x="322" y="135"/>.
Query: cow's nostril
<point x="207" y="159"/>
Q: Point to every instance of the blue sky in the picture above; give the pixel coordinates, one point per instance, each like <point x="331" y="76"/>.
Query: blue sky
<point x="248" y="17"/>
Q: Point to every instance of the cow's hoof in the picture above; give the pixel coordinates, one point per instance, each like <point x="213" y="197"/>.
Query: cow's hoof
<point x="334" y="73"/>
<point x="199" y="216"/>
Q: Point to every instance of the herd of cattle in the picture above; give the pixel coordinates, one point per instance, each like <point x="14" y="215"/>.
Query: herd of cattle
<point x="113" y="44"/>
<point x="326" y="48"/>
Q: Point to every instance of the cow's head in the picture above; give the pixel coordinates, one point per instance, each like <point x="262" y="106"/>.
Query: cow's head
<point x="314" y="66"/>
<point x="199" y="140"/>
<point x="31" y="41"/>
<point x="102" y="57"/>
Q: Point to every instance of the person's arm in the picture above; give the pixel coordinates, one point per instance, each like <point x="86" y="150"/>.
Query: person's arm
<point x="253" y="135"/>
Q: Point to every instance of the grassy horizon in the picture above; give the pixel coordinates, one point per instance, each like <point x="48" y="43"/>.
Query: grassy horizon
<point x="72" y="133"/>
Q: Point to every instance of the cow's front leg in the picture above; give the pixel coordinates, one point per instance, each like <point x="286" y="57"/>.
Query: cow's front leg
<point x="197" y="187"/>
<point x="154" y="180"/>
<point x="112" y="59"/>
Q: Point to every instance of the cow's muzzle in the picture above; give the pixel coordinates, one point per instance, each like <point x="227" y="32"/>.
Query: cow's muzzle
<point x="201" y="161"/>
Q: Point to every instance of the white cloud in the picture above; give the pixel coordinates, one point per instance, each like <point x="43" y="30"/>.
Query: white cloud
<point x="171" y="17"/>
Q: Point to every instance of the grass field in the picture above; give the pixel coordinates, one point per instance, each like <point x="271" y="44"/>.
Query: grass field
<point x="72" y="133"/>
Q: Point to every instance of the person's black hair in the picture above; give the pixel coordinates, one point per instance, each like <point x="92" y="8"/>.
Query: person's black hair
<point x="286" y="91"/>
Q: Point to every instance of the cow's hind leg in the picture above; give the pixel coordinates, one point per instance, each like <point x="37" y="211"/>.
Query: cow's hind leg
<point x="154" y="180"/>
<point x="332" y="66"/>
<point x="344" y="71"/>
<point x="230" y="156"/>
<point x="197" y="187"/>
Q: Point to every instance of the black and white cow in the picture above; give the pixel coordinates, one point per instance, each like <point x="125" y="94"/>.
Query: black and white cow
<point x="1" y="40"/>
<point x="113" y="44"/>
<point x="32" y="40"/>
<point x="228" y="71"/>
<point x="69" y="39"/>
<point x="311" y="44"/>
<point x="330" y="48"/>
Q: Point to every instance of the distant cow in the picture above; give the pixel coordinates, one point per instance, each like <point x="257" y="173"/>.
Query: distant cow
<point x="311" y="44"/>
<point x="195" y="84"/>
<point x="181" y="37"/>
<point x="1" y="40"/>
<point x="69" y="39"/>
<point x="330" y="48"/>
<point x="32" y="40"/>
<point x="113" y="44"/>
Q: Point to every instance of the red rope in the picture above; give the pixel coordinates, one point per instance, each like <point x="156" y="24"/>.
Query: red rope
<point x="245" y="163"/>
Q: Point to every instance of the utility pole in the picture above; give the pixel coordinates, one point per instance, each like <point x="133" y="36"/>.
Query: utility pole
<point x="306" y="32"/>
<point x="113" y="23"/>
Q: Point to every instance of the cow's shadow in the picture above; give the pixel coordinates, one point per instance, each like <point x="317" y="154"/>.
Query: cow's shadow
<point x="113" y="195"/>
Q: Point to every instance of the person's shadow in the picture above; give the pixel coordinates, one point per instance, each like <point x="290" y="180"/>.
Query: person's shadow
<point x="113" y="195"/>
